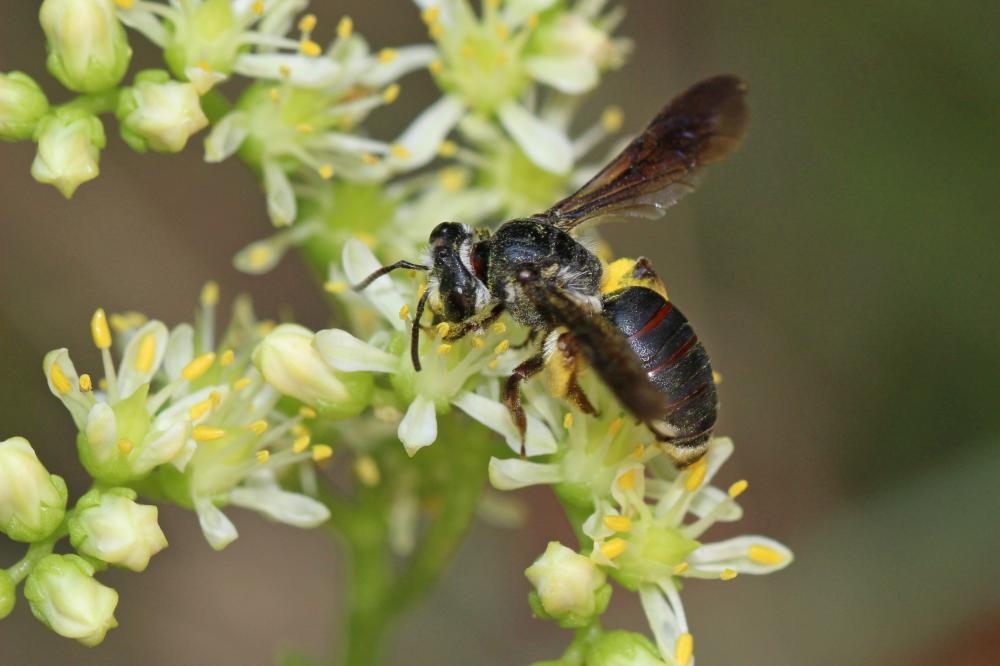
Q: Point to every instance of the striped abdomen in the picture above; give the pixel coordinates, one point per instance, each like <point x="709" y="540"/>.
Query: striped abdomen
<point x="674" y="360"/>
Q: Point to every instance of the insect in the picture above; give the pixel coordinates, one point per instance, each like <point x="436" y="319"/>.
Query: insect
<point x="637" y="342"/>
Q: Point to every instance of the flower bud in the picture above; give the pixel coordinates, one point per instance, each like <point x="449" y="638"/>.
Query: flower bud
<point x="8" y="594"/>
<point x="289" y="362"/>
<point x="159" y="114"/>
<point x="65" y="597"/>
<point x="32" y="501"/>
<point x="623" y="648"/>
<point x="569" y="587"/>
<point x="88" y="49"/>
<point x="22" y="105"/>
<point x="206" y="39"/>
<point x="69" y="149"/>
<point x="110" y="526"/>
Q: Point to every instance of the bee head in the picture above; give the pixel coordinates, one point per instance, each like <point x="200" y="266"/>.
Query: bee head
<point x="456" y="293"/>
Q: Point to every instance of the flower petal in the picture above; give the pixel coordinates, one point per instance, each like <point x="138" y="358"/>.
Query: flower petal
<point x="423" y="137"/>
<point x="359" y="263"/>
<point x="709" y="497"/>
<point x="572" y="75"/>
<point x="750" y="554"/>
<point x="281" y="205"/>
<point x="514" y="473"/>
<point x="226" y="136"/>
<point x="59" y="369"/>
<point x="290" y="508"/>
<point x="419" y="426"/>
<point x="160" y="448"/>
<point x="544" y="145"/>
<point x="661" y="617"/>
<point x="408" y="59"/>
<point x="142" y="357"/>
<point x="180" y="350"/>
<point x="538" y="440"/>
<point x="299" y="70"/>
<point x="345" y="352"/>
<point x="219" y="531"/>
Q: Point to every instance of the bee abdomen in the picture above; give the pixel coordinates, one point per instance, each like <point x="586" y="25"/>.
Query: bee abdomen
<point x="673" y="358"/>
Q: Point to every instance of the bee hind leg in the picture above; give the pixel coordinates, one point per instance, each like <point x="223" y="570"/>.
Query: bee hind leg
<point x="512" y="393"/>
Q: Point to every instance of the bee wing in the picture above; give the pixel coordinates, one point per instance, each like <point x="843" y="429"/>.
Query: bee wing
<point x="604" y="348"/>
<point x="702" y="125"/>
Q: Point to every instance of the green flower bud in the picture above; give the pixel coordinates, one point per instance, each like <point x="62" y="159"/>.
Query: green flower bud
<point x="569" y="587"/>
<point x="32" y="501"/>
<point x="159" y="114"/>
<point x="289" y="362"/>
<point x="65" y="597"/>
<point x="8" y="594"/>
<point x="110" y="526"/>
<point x="88" y="49"/>
<point x="623" y="648"/>
<point x="69" y="149"/>
<point x="22" y="105"/>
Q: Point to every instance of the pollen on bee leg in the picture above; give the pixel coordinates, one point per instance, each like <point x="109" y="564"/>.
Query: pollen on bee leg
<point x="612" y="548"/>
<point x="684" y="649"/>
<point x="618" y="523"/>
<point x="262" y="456"/>
<point x="717" y="377"/>
<point x="760" y="554"/>
<point x="568" y="420"/>
<point x="125" y="447"/>
<point x="443" y="328"/>
<point x="301" y="444"/>
<point x="86" y="384"/>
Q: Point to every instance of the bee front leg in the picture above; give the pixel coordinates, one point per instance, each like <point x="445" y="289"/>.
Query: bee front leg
<point x="459" y="331"/>
<point x="512" y="393"/>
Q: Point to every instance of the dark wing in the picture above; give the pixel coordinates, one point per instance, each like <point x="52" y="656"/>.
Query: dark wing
<point x="703" y="125"/>
<point x="602" y="345"/>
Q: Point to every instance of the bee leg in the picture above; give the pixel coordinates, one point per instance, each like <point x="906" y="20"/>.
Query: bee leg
<point x="575" y="394"/>
<point x="415" y="331"/>
<point x="512" y="393"/>
<point x="460" y="330"/>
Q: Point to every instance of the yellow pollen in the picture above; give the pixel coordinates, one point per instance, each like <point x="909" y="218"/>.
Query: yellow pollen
<point x="447" y="148"/>
<point x="385" y="56"/>
<point x="205" y="66"/>
<point x="615" y="426"/>
<point x="125" y="4"/>
<point x="728" y="574"/>
<point x="307" y="23"/>
<point x="618" y="523"/>
<point x="285" y="71"/>
<point x="478" y="342"/>
<point x="738" y="488"/>
<point x="492" y="4"/>
<point x="147" y="353"/>
<point x="613" y="548"/>
<point x="304" y="128"/>
<point x="681" y="568"/>
<point x="404" y="312"/>
<point x="300" y="430"/>
<point x="258" y="7"/>
<point x="262" y="456"/>
<point x="493" y="365"/>
<point x="368" y="158"/>
<point x="568" y="420"/>
<point x="503" y="32"/>
<point x="684" y="649"/>
<point x="444" y="348"/>
<point x="227" y="357"/>
<point x="86" y="384"/>
<point x="307" y="412"/>
<point x="452" y="179"/>
<point x="431" y="14"/>
<point x="638" y="451"/>
<point x="367" y="470"/>
<point x="335" y="287"/>
<point x="260" y="255"/>
<point x="760" y="554"/>
<point x="310" y="48"/>
<point x="200" y="409"/>
<point x="198" y="366"/>
<point x="399" y="151"/>
<point x="627" y="480"/>
<point x="436" y="30"/>
<point x="99" y="329"/>
<point x="103" y="384"/>
<point x="259" y="427"/>
<point x="210" y="293"/>
<point x="300" y="444"/>
<point x="345" y="27"/>
<point x="499" y="327"/>
<point x="321" y="452"/>
<point x="215" y="397"/>
<point x="326" y="171"/>
<point x="125" y="446"/>
<point x="241" y="383"/>
<point x="391" y="94"/>
<point x="205" y="433"/>
<point x="532" y="21"/>
<point x="275" y="94"/>
<point x="612" y="118"/>
<point x="436" y="67"/>
<point x="467" y="52"/>
<point x="502" y="347"/>
<point x="696" y="476"/>
<point x="443" y="328"/>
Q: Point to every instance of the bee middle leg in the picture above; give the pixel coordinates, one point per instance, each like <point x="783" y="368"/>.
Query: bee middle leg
<point x="512" y="393"/>
<point x="569" y="361"/>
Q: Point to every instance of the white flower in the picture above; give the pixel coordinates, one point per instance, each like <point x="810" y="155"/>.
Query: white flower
<point x="158" y="113"/>
<point x="32" y="501"/>
<point x="110" y="526"/>
<point x="88" y="49"/>
<point x="63" y="594"/>
<point x="569" y="586"/>
<point x="69" y="149"/>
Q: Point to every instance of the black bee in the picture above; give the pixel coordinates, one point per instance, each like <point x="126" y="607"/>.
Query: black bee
<point x="639" y="344"/>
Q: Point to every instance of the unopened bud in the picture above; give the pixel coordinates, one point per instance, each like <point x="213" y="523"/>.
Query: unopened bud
<point x="569" y="587"/>
<point x="22" y="105"/>
<point x="32" y="501"/>
<point x="69" y="149"/>
<point x="623" y="648"/>
<point x="64" y="596"/>
<point x="110" y="526"/>
<point x="88" y="49"/>
<point x="159" y="114"/>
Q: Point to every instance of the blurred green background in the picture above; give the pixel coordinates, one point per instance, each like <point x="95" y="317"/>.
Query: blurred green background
<point x="843" y="269"/>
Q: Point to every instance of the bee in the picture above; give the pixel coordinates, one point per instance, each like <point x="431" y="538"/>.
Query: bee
<point x="639" y="344"/>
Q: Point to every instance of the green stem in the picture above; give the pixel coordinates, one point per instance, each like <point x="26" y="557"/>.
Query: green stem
<point x="36" y="551"/>
<point x="95" y="103"/>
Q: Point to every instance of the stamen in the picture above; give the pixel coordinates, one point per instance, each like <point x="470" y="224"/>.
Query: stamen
<point x="199" y="410"/>
<point x="612" y="118"/>
<point x="310" y="48"/>
<point x="227" y="357"/>
<point x="99" y="329"/>
<point x="391" y="94"/>
<point x="627" y="480"/>
<point x="300" y="430"/>
<point x="257" y="8"/>
<point x="717" y="377"/>
<point x="444" y="348"/>
<point x="215" y="397"/>
<point x="499" y="327"/>
<point x="345" y="27"/>
<point x="431" y="14"/>
<point x="696" y="476"/>
<point x="300" y="444"/>
<point x="262" y="456"/>
<point x="147" y="353"/>
<point x="618" y="523"/>
<point x="684" y="649"/>
<point x="436" y="30"/>
<point x="125" y="446"/>
<point x="125" y="4"/>
<point x="478" y="342"/>
<point x="241" y="383"/>
<point x="369" y="158"/>
<point x="205" y="433"/>
<point x="728" y="574"/>
<point x="404" y="312"/>
<point x="59" y="379"/>
<point x="326" y="171"/>
<point x="399" y="151"/>
<point x="436" y="67"/>
<point x="447" y="149"/>
<point x="613" y="548"/>
<point x="638" y="451"/>
<point x="335" y="287"/>
<point x="307" y="23"/>
<point x="764" y="555"/>
<point x="259" y="426"/>
<point x="452" y="179"/>
<point x="86" y="384"/>
<point x="443" y="328"/>
<point x="503" y="32"/>
<point x="616" y="426"/>
<point x="367" y="470"/>
<point x="210" y="294"/>
<point x="285" y="71"/>
<point x="738" y="488"/>
<point x="494" y="364"/>
<point x="275" y="95"/>
<point x="568" y="420"/>
<point x="681" y="568"/>
<point x="532" y="21"/>
<point x="307" y="412"/>
<point x="198" y="366"/>
<point x="502" y="347"/>
<point x="321" y="452"/>
<point x="304" y="128"/>
<point x="385" y="56"/>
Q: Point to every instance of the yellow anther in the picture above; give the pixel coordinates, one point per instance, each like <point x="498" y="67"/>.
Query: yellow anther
<point x="717" y="377"/>
<point x="369" y="158"/>
<point x="494" y="364"/>
<point x="399" y="151"/>
<point x="199" y="410"/>
<point x="310" y="48"/>
<point x="385" y="56"/>
<point x="452" y="179"/>
<point x="321" y="452"/>
<point x="502" y="347"/>
<point x="391" y="94"/>
<point x="345" y="27"/>
<point x="227" y="358"/>
<point x="684" y="649"/>
<point x="258" y="7"/>
<point x="431" y="14"/>
<point x="125" y="4"/>
<point x="326" y="171"/>
<point x="404" y="312"/>
<point x="467" y="52"/>
<point x="147" y="353"/>
<point x="728" y="574"/>
<point x="241" y="383"/>
<point x="738" y="488"/>
<point x="627" y="480"/>
<point x="103" y="384"/>
<point x="532" y="21"/>
<point x="447" y="149"/>
<point x="616" y="426"/>
<point x="760" y="554"/>
<point x="492" y="4"/>
<point x="568" y="420"/>
<point x="367" y="470"/>
<point x="274" y="94"/>
<point x="260" y="256"/>
<point x="300" y="430"/>
<point x="210" y="293"/>
<point x="436" y="67"/>
<point x="638" y="451"/>
<point x="125" y="446"/>
<point x="86" y="384"/>
<point x="259" y="427"/>
<point x="503" y="32"/>
<point x="612" y="548"/>
<point x="262" y="456"/>
<point x="478" y="342"/>
<point x="119" y="322"/>
<point x="204" y="433"/>
<point x="215" y="397"/>
<point x="443" y="328"/>
<point x="618" y="523"/>
<point x="612" y="118"/>
<point x="205" y="66"/>
<point x="301" y="444"/>
<point x="99" y="329"/>
<point x="335" y="287"/>
<point x="695" y="476"/>
<point x="444" y="348"/>
<point x="198" y="366"/>
<point x="304" y="128"/>
<point x="499" y="327"/>
<point x="681" y="568"/>
<point x="307" y="23"/>
<point x="435" y="31"/>
<point x="307" y="412"/>
<point x="285" y="71"/>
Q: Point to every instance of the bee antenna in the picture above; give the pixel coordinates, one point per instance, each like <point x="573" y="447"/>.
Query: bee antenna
<point x="385" y="270"/>
<point x="415" y="331"/>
